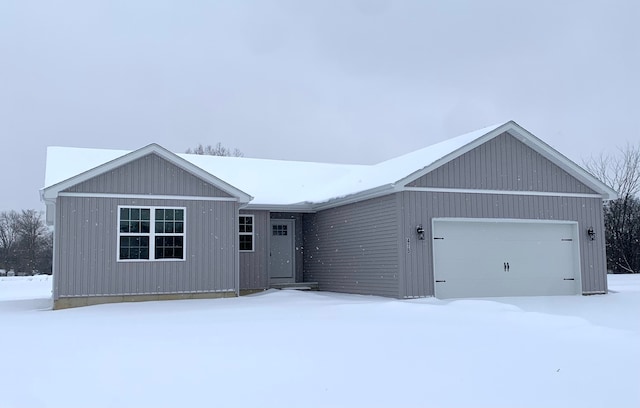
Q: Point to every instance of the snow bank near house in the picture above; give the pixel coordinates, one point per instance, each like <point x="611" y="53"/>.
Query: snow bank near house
<point x="292" y="349"/>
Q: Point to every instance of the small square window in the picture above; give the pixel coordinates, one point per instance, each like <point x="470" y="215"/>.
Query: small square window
<point x="279" y="230"/>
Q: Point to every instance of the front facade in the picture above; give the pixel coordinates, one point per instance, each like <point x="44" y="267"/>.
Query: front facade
<point x="497" y="213"/>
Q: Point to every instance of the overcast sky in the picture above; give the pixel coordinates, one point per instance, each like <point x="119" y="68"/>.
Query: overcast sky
<point x="337" y="81"/>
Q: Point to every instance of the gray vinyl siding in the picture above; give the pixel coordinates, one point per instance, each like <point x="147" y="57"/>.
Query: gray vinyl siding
<point x="354" y="248"/>
<point x="503" y="163"/>
<point x="150" y="174"/>
<point x="254" y="272"/>
<point x="87" y="244"/>
<point x="422" y="207"/>
<point x="299" y="240"/>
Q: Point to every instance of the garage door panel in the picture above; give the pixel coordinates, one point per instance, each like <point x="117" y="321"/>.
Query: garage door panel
<point x="486" y="260"/>
<point x="505" y="288"/>
<point x="471" y="257"/>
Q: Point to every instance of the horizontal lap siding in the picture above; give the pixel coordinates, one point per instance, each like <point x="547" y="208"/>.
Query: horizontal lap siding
<point x="503" y="163"/>
<point x="354" y="248"/>
<point x="150" y="174"/>
<point x="422" y="207"/>
<point x="253" y="265"/>
<point x="87" y="244"/>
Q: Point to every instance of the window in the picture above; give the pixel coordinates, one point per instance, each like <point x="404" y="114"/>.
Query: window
<point x="245" y="225"/>
<point x="279" y="230"/>
<point x="151" y="233"/>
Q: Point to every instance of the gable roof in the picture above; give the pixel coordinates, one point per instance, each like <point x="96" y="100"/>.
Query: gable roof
<point x="484" y="135"/>
<point x="68" y="167"/>
<point x="303" y="185"/>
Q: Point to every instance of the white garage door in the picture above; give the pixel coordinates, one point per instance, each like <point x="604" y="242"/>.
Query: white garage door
<point x="479" y="257"/>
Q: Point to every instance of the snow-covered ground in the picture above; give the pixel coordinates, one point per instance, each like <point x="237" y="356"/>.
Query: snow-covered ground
<point x="319" y="349"/>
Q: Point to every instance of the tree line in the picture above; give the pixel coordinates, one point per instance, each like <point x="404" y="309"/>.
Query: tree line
<point x="622" y="215"/>
<point x="26" y="244"/>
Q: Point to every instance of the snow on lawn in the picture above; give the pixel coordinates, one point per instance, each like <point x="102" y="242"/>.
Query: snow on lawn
<point x="25" y="287"/>
<point x="320" y="349"/>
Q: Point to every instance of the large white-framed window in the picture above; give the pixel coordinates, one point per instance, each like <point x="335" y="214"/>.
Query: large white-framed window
<point x="151" y="233"/>
<point x="245" y="229"/>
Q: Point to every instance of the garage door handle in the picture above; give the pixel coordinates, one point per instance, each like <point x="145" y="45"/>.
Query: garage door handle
<point x="440" y="281"/>
<point x="569" y="279"/>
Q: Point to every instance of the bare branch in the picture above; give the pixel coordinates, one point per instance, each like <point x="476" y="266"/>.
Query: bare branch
<point x="217" y="150"/>
<point x="620" y="171"/>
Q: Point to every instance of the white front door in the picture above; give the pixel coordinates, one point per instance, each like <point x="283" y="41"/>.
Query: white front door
<point x="476" y="258"/>
<point x="282" y="254"/>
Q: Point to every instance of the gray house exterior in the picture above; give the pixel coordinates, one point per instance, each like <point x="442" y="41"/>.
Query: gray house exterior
<point x="493" y="213"/>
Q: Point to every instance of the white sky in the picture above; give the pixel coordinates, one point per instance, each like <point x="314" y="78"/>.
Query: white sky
<point x="337" y="81"/>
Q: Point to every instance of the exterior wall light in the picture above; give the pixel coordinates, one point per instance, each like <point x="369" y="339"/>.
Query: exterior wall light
<point x="420" y="231"/>
<point x="591" y="233"/>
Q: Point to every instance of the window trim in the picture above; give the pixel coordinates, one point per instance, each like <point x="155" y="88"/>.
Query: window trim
<point x="152" y="233"/>
<point x="252" y="233"/>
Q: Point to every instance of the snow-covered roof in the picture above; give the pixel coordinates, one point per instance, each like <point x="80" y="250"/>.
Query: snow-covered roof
<point x="280" y="182"/>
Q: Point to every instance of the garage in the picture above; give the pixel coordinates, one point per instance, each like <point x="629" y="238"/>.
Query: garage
<point x="489" y="257"/>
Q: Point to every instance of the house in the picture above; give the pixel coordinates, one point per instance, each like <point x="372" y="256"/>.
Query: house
<point x="495" y="212"/>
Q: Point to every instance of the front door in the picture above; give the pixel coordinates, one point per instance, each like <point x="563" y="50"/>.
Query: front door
<point x="282" y="255"/>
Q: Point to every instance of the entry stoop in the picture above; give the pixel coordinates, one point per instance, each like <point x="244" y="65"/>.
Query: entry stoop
<point x="296" y="286"/>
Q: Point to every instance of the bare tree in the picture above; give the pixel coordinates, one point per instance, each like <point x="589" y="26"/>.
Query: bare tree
<point x="8" y="238"/>
<point x="26" y="244"/>
<point x="622" y="216"/>
<point x="620" y="171"/>
<point x="32" y="234"/>
<point x="217" y="150"/>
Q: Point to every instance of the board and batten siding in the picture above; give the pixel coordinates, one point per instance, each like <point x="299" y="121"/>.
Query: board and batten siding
<point x="422" y="207"/>
<point x="150" y="174"/>
<point x="354" y="248"/>
<point x="254" y="272"/>
<point x="86" y="237"/>
<point x="503" y="163"/>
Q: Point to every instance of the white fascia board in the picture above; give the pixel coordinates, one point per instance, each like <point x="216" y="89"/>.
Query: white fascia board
<point x="354" y="198"/>
<point x="309" y="207"/>
<point x="51" y="192"/>
<point x="293" y="208"/>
